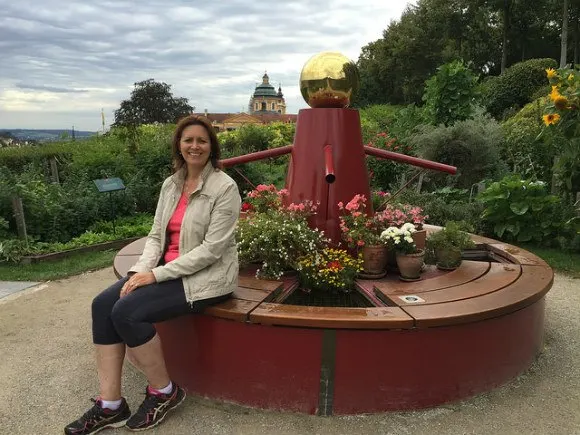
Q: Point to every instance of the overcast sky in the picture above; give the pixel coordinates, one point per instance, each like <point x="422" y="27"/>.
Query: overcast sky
<point x="64" y="60"/>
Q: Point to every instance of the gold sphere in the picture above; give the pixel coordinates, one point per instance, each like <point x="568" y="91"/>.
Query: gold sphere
<point x="329" y="79"/>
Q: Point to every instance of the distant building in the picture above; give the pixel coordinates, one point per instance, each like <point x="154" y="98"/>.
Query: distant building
<point x="233" y="121"/>
<point x="266" y="105"/>
<point x="266" y="100"/>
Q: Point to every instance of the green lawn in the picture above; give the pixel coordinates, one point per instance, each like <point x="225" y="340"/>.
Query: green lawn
<point x="561" y="261"/>
<point x="50" y="270"/>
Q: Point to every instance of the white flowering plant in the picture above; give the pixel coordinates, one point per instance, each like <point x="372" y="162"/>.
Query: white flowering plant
<point x="401" y="239"/>
<point x="276" y="240"/>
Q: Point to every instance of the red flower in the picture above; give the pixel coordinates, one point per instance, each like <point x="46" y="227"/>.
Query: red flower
<point x="246" y="206"/>
<point x="334" y="265"/>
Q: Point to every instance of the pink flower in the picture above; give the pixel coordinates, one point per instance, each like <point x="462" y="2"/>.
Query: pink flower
<point x="360" y="243"/>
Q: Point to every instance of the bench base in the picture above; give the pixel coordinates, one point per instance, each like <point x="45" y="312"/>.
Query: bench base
<point x="337" y="371"/>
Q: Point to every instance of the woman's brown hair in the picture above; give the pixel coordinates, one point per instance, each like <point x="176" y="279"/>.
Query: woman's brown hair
<point x="215" y="153"/>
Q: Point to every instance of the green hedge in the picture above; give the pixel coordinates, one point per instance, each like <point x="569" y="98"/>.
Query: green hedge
<point x="515" y="87"/>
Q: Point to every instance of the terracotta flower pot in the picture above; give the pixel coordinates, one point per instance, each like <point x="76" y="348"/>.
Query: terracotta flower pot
<point x="420" y="238"/>
<point x="410" y="265"/>
<point x="374" y="261"/>
<point x="448" y="258"/>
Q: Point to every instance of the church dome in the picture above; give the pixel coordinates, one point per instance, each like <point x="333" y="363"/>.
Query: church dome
<point x="265" y="89"/>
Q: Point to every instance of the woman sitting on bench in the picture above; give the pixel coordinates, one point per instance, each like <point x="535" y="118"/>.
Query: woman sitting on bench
<point x="189" y="262"/>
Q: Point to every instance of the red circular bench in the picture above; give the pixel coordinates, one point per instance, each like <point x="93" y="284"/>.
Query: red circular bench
<point x="446" y="337"/>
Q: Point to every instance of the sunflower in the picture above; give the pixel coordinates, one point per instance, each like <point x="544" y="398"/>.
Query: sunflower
<point x="555" y="93"/>
<point x="571" y="77"/>
<point x="551" y="118"/>
<point x="561" y="103"/>
<point x="551" y="73"/>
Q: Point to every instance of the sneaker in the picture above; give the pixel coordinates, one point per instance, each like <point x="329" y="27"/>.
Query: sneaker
<point x="97" y="419"/>
<point x="154" y="408"/>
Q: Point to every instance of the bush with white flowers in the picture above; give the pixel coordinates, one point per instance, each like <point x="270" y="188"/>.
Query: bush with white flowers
<point x="400" y="239"/>
<point x="276" y="240"/>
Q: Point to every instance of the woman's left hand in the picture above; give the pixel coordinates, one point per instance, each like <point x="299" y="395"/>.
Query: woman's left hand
<point x="137" y="280"/>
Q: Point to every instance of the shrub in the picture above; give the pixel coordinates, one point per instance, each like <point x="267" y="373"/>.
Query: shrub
<point x="521" y="210"/>
<point x="472" y="146"/>
<point x="515" y="87"/>
<point x="450" y="94"/>
<point x="521" y="149"/>
<point x="442" y="207"/>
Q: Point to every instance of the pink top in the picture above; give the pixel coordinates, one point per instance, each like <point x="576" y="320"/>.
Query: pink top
<point x="173" y="230"/>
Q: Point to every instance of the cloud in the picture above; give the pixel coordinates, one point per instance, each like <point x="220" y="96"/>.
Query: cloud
<point x="67" y="58"/>
<point x="49" y="88"/>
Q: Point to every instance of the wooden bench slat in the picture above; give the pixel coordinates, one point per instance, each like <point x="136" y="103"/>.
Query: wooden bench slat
<point x="134" y="248"/>
<point x="251" y="294"/>
<point x="498" y="276"/>
<point x="232" y="309"/>
<point x="468" y="271"/>
<point x="328" y="317"/>
<point x="261" y="284"/>
<point x="122" y="264"/>
<point x="515" y="254"/>
<point x="533" y="284"/>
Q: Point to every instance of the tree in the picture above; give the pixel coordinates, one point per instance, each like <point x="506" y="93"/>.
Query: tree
<point x="564" y="43"/>
<point x="151" y="102"/>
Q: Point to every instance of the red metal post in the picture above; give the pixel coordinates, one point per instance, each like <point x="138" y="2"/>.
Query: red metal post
<point x="260" y="155"/>
<point x="414" y="161"/>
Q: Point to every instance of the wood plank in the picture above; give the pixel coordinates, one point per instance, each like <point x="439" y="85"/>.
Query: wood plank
<point x="261" y="284"/>
<point x="468" y="271"/>
<point x="232" y="309"/>
<point x="498" y="276"/>
<point x="251" y="294"/>
<point x="122" y="264"/>
<point x="515" y="254"/>
<point x="532" y="285"/>
<point x="134" y="248"/>
<point x="328" y="317"/>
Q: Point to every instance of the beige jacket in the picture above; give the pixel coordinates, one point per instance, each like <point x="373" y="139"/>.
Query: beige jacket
<point x="208" y="257"/>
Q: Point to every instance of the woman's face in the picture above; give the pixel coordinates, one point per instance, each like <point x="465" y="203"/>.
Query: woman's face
<point x="195" y="146"/>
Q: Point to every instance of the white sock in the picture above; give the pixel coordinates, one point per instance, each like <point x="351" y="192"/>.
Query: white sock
<point x="113" y="405"/>
<point x="167" y="389"/>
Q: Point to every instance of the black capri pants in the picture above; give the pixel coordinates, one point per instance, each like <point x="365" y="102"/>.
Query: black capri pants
<point x="130" y="319"/>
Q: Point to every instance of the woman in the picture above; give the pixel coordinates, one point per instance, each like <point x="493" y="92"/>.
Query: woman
<point x="189" y="262"/>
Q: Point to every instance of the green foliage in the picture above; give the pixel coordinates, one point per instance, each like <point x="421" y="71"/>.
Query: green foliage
<point x="515" y="87"/>
<point x="398" y="121"/>
<point x="522" y="150"/>
<point x="450" y="94"/>
<point x="521" y="210"/>
<point x="384" y="174"/>
<point x="12" y="250"/>
<point x="16" y="158"/>
<point x="446" y="205"/>
<point x="451" y="235"/>
<point x="472" y="146"/>
<point x="151" y="102"/>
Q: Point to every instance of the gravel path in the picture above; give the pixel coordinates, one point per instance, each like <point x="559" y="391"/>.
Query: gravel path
<point x="47" y="376"/>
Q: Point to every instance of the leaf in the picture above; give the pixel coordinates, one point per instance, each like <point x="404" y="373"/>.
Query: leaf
<point x="499" y="229"/>
<point x="519" y="208"/>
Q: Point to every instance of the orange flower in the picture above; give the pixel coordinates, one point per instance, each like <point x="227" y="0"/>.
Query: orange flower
<point x="555" y="93"/>
<point x="561" y="103"/>
<point x="551" y="73"/>
<point x="551" y="118"/>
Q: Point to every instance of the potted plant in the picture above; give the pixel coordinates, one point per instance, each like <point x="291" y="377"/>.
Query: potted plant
<point x="447" y="245"/>
<point x="396" y="215"/>
<point x="329" y="269"/>
<point x="409" y="258"/>
<point x="361" y="230"/>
